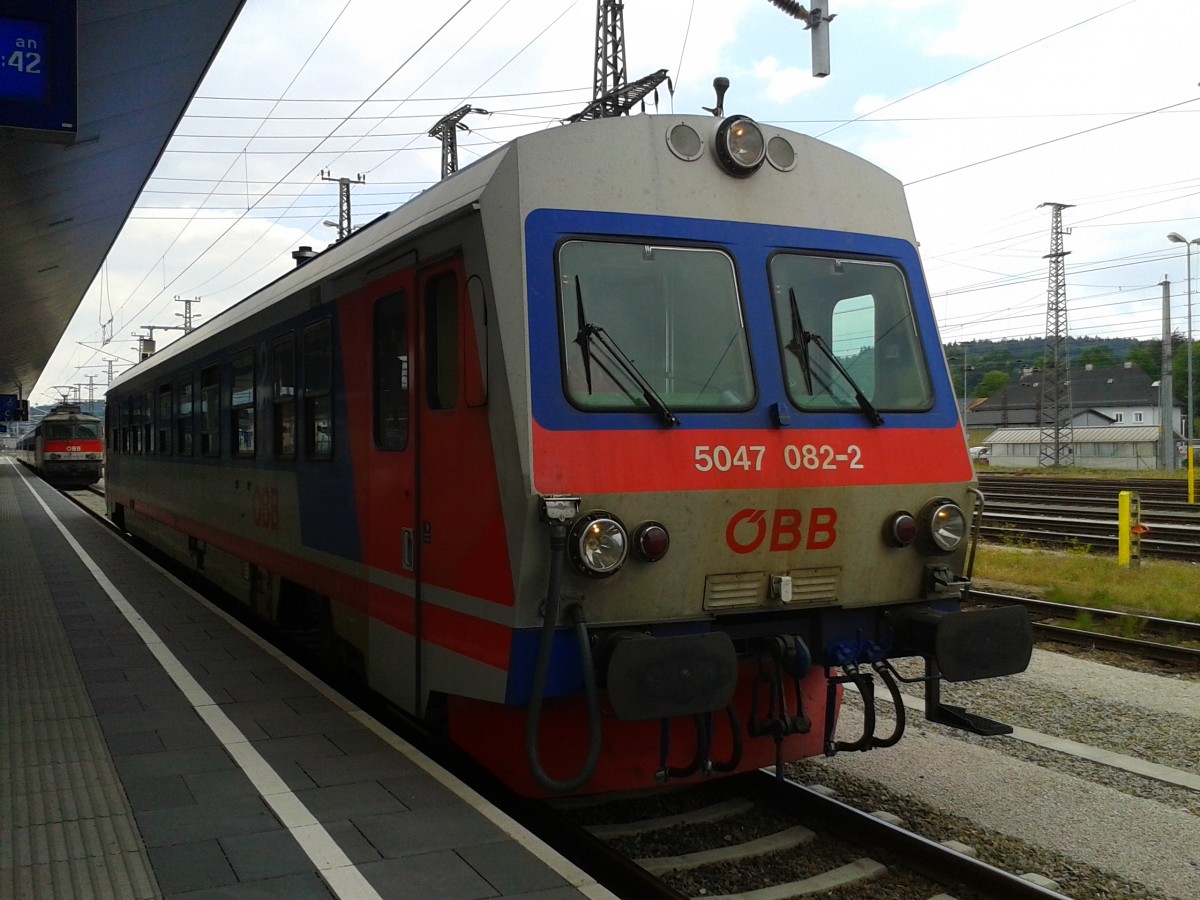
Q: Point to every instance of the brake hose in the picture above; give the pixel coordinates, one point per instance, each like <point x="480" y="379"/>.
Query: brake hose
<point x="558" y="552"/>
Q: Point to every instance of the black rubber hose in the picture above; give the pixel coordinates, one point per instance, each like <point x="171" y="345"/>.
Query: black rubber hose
<point x="866" y="687"/>
<point x="898" y="703"/>
<point x="558" y="553"/>
<point x="735" y="730"/>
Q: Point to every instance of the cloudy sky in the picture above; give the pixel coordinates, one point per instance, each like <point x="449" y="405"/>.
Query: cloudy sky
<point x="985" y="111"/>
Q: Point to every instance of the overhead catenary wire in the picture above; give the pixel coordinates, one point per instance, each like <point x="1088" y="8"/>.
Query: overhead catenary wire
<point x="1007" y="248"/>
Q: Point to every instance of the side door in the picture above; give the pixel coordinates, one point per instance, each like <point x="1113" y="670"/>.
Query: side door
<point x="388" y="493"/>
<point x="464" y="608"/>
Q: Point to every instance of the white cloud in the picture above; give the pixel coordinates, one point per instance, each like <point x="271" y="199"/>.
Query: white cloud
<point x="783" y="84"/>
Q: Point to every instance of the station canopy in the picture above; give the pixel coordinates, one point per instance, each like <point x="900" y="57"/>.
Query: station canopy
<point x="90" y="93"/>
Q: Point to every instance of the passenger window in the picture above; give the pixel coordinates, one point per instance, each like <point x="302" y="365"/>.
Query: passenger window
<point x="318" y="397"/>
<point x="112" y="426"/>
<point x="185" y="422"/>
<point x="391" y="372"/>
<point x="210" y="411"/>
<point x="164" y="419"/>
<point x="441" y="341"/>
<point x="283" y="362"/>
<point x="127" y="405"/>
<point x="147" y="422"/>
<point x="241" y="404"/>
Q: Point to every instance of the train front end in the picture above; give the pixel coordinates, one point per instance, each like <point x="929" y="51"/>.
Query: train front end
<point x="69" y="447"/>
<point x="749" y="480"/>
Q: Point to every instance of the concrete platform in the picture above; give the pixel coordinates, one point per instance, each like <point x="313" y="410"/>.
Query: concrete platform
<point x="153" y="748"/>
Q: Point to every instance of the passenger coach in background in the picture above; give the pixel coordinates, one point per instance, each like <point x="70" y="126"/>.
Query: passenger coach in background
<point x="616" y="454"/>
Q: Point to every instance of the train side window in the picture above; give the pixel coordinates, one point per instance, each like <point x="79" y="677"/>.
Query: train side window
<point x="164" y="419"/>
<point x="441" y="341"/>
<point x="185" y="421"/>
<point x="210" y="411"/>
<point x="126" y="414"/>
<point x="318" y="395"/>
<point x="148" y="422"/>
<point x="283" y="361"/>
<point x="134" y="426"/>
<point x="241" y="405"/>
<point x="112" y="426"/>
<point x="391" y="372"/>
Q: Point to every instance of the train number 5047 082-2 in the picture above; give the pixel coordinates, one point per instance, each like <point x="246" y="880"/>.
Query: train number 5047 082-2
<point x="749" y="458"/>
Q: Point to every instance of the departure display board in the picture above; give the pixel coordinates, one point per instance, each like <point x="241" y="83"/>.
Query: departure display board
<point x="38" y="69"/>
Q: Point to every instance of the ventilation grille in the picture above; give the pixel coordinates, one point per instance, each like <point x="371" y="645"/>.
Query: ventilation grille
<point x="735" y="590"/>
<point x="815" y="585"/>
<point x="740" y="590"/>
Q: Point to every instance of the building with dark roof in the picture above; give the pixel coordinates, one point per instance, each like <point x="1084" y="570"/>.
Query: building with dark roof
<point x="1114" y="413"/>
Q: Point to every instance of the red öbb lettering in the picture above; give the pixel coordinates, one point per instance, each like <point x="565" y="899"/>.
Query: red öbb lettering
<point x="748" y="529"/>
<point x="265" y="502"/>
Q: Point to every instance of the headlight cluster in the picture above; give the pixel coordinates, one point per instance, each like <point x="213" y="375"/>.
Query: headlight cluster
<point x="940" y="527"/>
<point x="599" y="543"/>
<point x="739" y="144"/>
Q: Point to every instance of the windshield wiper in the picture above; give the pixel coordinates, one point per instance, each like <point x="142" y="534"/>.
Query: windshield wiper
<point x="799" y="342"/>
<point x="799" y="346"/>
<point x="588" y="333"/>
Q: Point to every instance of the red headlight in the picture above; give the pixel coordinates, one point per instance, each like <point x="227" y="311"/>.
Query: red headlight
<point x="650" y="542"/>
<point x="900" y="530"/>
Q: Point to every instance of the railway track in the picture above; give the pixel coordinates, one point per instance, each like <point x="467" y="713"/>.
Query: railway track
<point x="1072" y="512"/>
<point x="1164" y="640"/>
<point x="760" y="837"/>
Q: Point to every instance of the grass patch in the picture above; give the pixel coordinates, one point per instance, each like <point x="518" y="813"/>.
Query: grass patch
<point x="1162" y="588"/>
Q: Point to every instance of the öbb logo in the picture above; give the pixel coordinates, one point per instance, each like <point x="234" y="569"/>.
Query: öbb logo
<point x="749" y="528"/>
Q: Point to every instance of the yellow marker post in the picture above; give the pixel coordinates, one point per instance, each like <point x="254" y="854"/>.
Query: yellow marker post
<point x="1129" y="529"/>
<point x="1191" y="474"/>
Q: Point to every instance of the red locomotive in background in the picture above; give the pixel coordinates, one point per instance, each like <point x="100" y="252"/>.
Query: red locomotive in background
<point x="66" y="447"/>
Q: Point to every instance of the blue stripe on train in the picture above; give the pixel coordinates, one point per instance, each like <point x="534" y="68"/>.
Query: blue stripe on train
<point x="751" y="245"/>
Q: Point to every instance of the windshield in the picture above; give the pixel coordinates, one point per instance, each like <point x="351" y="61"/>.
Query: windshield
<point x="673" y="312"/>
<point x="860" y="312"/>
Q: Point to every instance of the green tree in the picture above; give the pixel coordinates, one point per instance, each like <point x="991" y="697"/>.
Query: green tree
<point x="1097" y="356"/>
<point x="1147" y="356"/>
<point x="992" y="382"/>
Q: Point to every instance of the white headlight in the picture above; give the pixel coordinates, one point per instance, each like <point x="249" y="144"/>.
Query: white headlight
<point x="599" y="544"/>
<point x="944" y="525"/>
<point x="741" y="147"/>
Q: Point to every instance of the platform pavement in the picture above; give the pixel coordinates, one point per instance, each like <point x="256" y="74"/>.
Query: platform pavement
<point x="154" y="748"/>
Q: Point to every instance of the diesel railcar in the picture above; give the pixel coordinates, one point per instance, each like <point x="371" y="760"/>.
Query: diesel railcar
<point x="616" y="454"/>
<point x="66" y="448"/>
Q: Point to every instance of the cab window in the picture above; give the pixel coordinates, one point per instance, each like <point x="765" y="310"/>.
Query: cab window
<point x="847" y="327"/>
<point x="668" y="317"/>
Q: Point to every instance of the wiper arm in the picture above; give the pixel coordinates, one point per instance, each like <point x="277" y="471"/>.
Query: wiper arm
<point x="799" y="342"/>
<point x="864" y="404"/>
<point x="588" y="333"/>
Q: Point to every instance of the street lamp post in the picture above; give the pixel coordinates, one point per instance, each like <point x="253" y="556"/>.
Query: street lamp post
<point x="1176" y="238"/>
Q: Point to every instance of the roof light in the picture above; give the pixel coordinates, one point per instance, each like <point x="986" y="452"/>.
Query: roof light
<point x="740" y="146"/>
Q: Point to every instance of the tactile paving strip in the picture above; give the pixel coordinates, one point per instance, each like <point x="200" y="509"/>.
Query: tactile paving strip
<point x="68" y="828"/>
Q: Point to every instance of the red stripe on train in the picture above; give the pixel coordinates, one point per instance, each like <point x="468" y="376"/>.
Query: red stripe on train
<point x="602" y="462"/>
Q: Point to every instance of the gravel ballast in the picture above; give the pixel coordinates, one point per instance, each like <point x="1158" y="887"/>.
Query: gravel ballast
<point x="1106" y="819"/>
